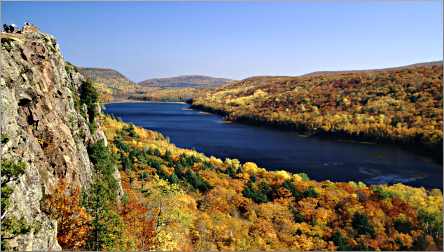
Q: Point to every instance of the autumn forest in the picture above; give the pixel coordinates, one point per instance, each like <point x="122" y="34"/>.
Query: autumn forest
<point x="399" y="106"/>
<point x="169" y="198"/>
<point x="178" y="199"/>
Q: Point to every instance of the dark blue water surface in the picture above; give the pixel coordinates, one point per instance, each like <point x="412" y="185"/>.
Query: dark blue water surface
<point x="274" y="149"/>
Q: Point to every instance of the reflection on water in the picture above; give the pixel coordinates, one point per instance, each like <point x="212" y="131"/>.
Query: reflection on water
<point x="320" y="158"/>
<point x="368" y="171"/>
<point x="391" y="179"/>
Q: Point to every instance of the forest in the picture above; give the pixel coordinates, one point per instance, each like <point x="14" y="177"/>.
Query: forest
<point x="402" y="106"/>
<point x="179" y="199"/>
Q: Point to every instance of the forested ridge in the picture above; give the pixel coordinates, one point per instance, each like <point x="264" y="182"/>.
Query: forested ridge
<point x="184" y="81"/>
<point x="397" y="105"/>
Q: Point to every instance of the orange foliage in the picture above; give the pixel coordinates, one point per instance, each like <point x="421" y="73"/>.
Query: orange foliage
<point x="139" y="227"/>
<point x="73" y="222"/>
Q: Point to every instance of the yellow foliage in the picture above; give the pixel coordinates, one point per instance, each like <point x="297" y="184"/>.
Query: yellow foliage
<point x="283" y="174"/>
<point x="250" y="168"/>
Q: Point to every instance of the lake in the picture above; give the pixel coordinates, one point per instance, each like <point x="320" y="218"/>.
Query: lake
<point x="275" y="149"/>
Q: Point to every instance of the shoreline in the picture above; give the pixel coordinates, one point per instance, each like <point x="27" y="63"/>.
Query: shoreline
<point x="425" y="150"/>
<point x="140" y="101"/>
<point x="379" y="179"/>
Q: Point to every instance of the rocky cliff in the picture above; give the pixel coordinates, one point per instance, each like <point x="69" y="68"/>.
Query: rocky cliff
<point x="45" y="132"/>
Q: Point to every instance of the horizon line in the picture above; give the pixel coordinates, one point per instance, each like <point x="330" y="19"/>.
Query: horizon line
<point x="440" y="61"/>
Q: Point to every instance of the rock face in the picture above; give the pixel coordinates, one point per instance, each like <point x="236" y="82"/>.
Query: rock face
<point x="42" y="126"/>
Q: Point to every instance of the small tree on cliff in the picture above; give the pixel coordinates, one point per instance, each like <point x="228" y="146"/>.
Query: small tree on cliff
<point x="89" y="96"/>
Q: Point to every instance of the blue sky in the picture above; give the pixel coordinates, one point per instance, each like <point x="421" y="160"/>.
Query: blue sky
<point x="238" y="39"/>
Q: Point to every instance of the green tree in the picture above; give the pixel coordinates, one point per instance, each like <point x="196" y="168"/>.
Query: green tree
<point x="106" y="225"/>
<point x="100" y="200"/>
<point x="362" y="225"/>
<point x="89" y="97"/>
<point x="340" y="242"/>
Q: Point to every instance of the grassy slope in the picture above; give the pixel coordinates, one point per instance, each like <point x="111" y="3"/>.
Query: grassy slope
<point x="398" y="105"/>
<point x="226" y="205"/>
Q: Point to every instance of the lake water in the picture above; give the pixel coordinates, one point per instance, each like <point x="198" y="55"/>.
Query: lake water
<point x="275" y="149"/>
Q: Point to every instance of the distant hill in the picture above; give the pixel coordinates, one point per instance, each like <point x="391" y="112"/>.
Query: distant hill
<point x="110" y="82"/>
<point x="179" y="88"/>
<point x="110" y="77"/>
<point x="425" y="64"/>
<point x="186" y="81"/>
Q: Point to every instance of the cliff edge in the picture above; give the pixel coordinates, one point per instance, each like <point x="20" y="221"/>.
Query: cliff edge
<point x="45" y="132"/>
